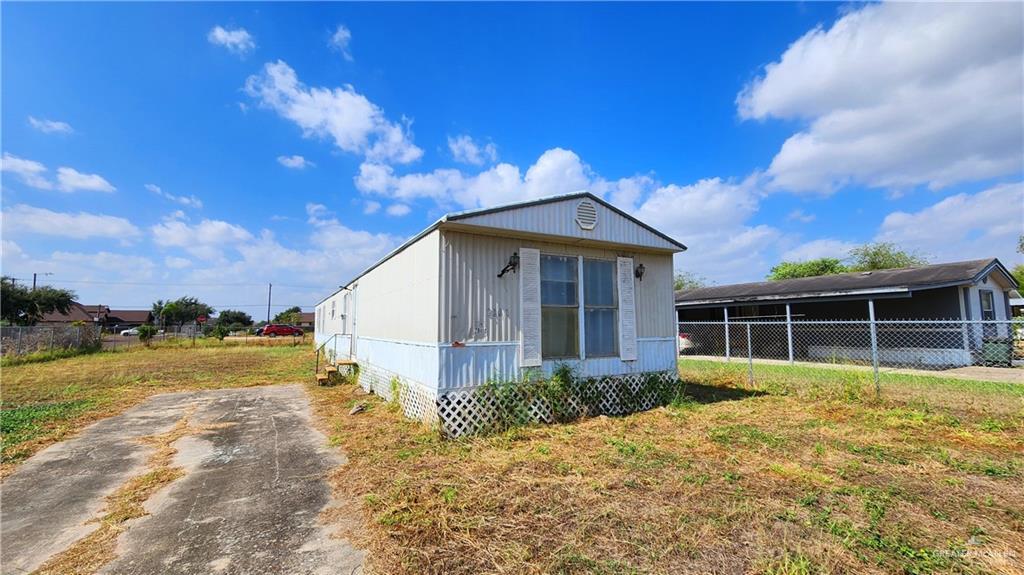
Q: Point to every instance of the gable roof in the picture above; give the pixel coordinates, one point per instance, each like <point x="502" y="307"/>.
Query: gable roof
<point x="846" y="284"/>
<point x="129" y="316"/>
<point x="526" y="223"/>
<point x="77" y="312"/>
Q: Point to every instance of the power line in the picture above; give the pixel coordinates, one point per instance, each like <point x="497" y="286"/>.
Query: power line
<point x="169" y="283"/>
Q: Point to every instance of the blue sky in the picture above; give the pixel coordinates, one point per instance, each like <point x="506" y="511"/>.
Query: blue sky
<point x="154" y="150"/>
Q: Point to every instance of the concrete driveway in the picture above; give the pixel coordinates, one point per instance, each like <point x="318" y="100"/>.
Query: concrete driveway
<point x="249" y="502"/>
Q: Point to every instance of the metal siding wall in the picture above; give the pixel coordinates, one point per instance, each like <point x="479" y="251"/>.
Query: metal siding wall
<point x="477" y="306"/>
<point x="415" y="361"/>
<point x="470" y="366"/>
<point x="559" y="219"/>
<point x="398" y="300"/>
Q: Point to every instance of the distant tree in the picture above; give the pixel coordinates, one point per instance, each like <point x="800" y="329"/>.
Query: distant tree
<point x="1020" y="245"/>
<point x="182" y="310"/>
<point x="687" y="281"/>
<point x="883" y="256"/>
<point x="290" y="315"/>
<point x="234" y="319"/>
<point x="20" y="305"/>
<point x="810" y="268"/>
<point x="158" y="310"/>
<point x="220" y="331"/>
<point x="1018" y="274"/>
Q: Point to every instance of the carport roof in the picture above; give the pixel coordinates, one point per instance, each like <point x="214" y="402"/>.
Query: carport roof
<point x="847" y="284"/>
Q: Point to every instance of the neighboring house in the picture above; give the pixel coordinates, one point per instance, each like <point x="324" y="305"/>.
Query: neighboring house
<point x="128" y="318"/>
<point x="971" y="290"/>
<point x="91" y="314"/>
<point x="307" y="320"/>
<point x="506" y="293"/>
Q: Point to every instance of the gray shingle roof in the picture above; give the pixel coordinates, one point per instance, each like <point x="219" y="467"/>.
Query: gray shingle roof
<point x="904" y="279"/>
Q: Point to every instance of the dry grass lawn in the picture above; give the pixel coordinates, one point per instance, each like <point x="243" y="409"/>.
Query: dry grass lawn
<point x="45" y="402"/>
<point x="795" y="477"/>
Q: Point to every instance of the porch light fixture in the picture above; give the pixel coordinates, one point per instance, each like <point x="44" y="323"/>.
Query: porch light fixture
<point x="639" y="272"/>
<point x="512" y="265"/>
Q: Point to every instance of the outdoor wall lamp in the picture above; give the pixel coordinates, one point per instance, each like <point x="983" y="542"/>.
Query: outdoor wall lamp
<point x="639" y="272"/>
<point x="512" y="265"/>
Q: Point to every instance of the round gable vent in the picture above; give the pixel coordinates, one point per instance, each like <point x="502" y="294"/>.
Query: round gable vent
<point x="586" y="215"/>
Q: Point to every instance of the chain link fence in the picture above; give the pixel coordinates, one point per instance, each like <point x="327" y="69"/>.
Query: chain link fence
<point x="25" y="340"/>
<point x="925" y="347"/>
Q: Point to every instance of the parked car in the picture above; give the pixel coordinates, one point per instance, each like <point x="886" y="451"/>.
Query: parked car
<point x="686" y="343"/>
<point x="131" y="331"/>
<point x="274" y="330"/>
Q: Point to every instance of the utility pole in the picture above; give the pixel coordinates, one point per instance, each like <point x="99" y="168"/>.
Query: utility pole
<point x="34" y="274"/>
<point x="270" y="290"/>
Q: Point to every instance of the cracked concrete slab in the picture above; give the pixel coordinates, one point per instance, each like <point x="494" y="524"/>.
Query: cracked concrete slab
<point x="249" y="503"/>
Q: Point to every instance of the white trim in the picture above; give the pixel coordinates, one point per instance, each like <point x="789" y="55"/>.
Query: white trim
<point x="581" y="317"/>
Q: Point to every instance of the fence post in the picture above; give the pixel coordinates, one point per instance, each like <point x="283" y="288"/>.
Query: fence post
<point x="51" y="339"/>
<point x="789" y="333"/>
<point x="874" y="345"/>
<point x="19" y="341"/>
<point x="726" y="310"/>
<point x="750" y="357"/>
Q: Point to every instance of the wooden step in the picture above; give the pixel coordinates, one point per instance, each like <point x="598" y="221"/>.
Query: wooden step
<point x="331" y="369"/>
<point x="321" y="378"/>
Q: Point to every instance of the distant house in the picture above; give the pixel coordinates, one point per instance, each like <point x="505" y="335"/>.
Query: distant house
<point x="961" y="294"/>
<point x="308" y="320"/>
<point x="128" y="318"/>
<point x="91" y="314"/>
<point x="976" y="289"/>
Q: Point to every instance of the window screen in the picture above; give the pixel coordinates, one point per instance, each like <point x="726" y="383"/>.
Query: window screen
<point x="559" y="307"/>
<point x="600" y="308"/>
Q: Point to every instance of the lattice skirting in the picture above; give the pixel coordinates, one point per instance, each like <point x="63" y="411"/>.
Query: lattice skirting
<point x="417" y="402"/>
<point x="487" y="409"/>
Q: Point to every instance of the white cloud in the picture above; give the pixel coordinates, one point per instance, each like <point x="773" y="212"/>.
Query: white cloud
<point x="189" y="201"/>
<point x="206" y="240"/>
<point x="177" y="263"/>
<point x="820" y="248"/>
<point x="467" y="151"/>
<point x="899" y="95"/>
<point x="371" y="207"/>
<point x="238" y="40"/>
<point x="295" y="162"/>
<point x="71" y="180"/>
<point x="398" y="210"/>
<point x="30" y="172"/>
<point x="340" y="41"/>
<point x="126" y="264"/>
<point x="23" y="218"/>
<point x="557" y="171"/>
<point x="50" y="126"/>
<point x="800" y="216"/>
<point x="710" y="216"/>
<point x="962" y="226"/>
<point x="356" y="124"/>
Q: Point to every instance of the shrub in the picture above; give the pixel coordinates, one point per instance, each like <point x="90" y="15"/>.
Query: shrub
<point x="146" y="333"/>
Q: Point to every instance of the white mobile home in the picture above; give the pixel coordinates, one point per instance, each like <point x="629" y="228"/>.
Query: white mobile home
<point x="505" y="293"/>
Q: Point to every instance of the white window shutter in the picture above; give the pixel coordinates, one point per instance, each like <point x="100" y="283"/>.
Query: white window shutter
<point x="627" y="311"/>
<point x="529" y="308"/>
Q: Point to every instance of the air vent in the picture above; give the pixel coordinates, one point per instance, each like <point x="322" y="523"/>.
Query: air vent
<point x="586" y="215"/>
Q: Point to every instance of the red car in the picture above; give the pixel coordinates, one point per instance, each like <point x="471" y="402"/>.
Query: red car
<point x="274" y="330"/>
